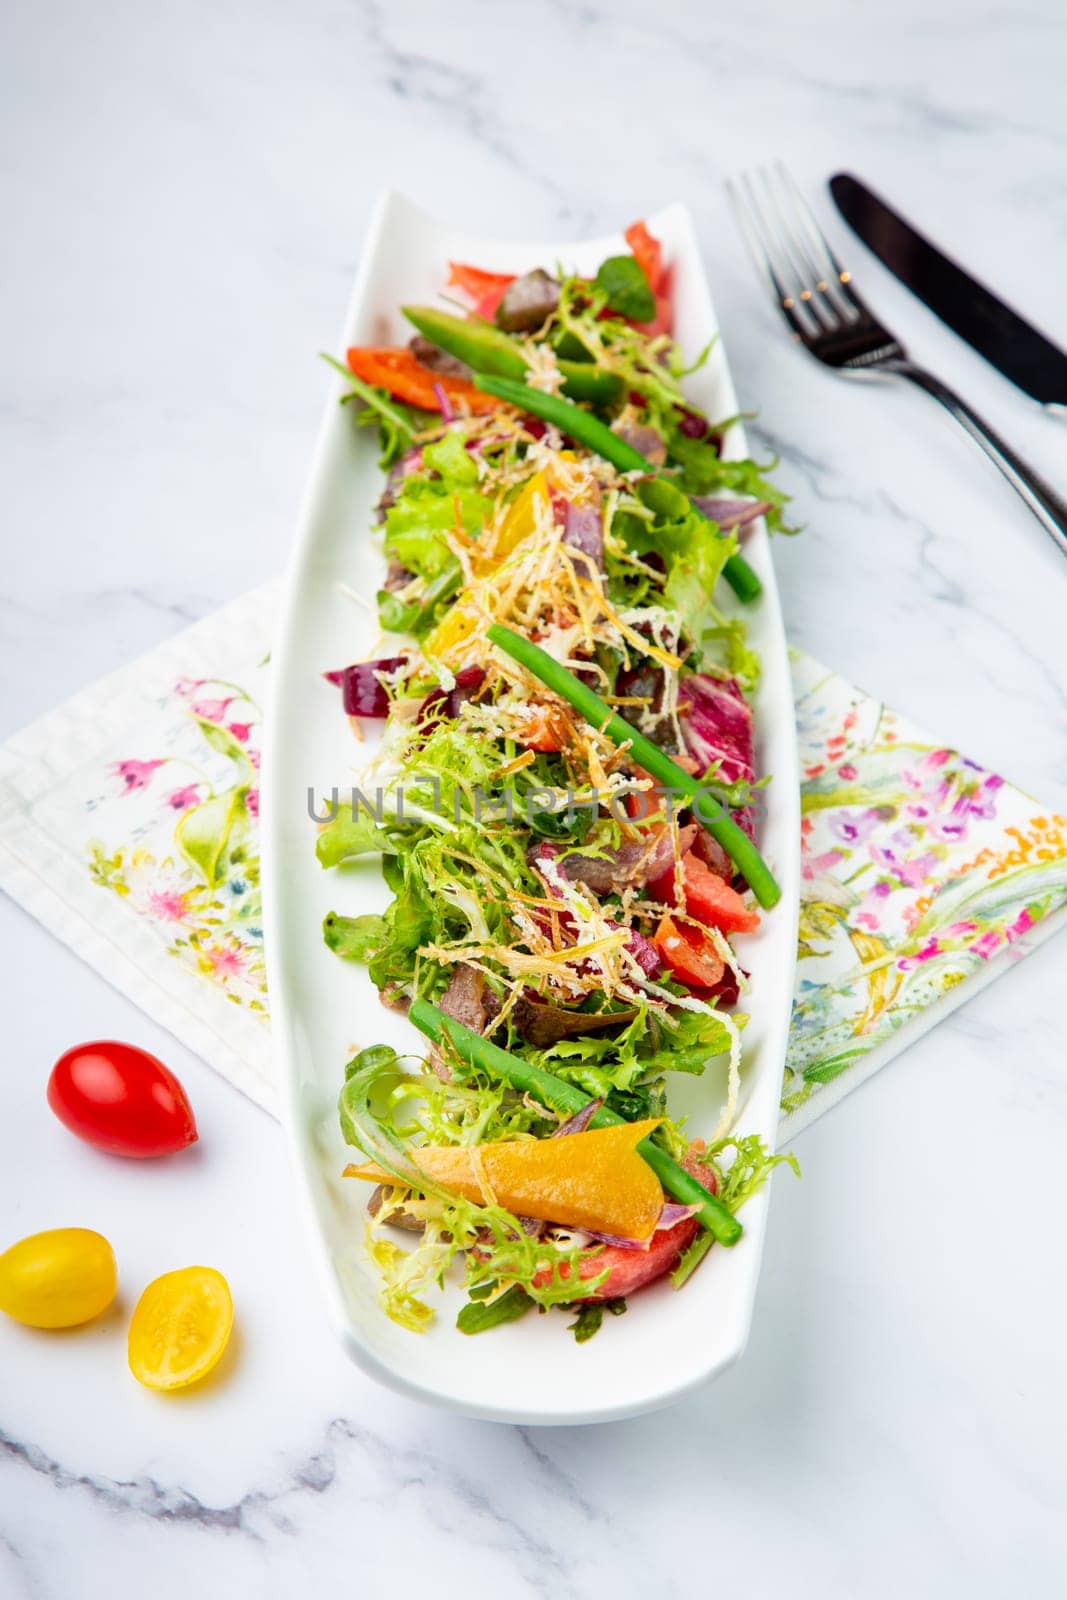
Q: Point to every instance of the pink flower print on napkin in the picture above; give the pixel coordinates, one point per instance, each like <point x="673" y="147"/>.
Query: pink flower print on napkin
<point x="1022" y="924"/>
<point x="819" y="866"/>
<point x="252" y="802"/>
<point x="136" y="774"/>
<point x="169" y="905"/>
<point x="855" y="827"/>
<point x="212" y="710"/>
<point x="187" y="686"/>
<point x="928" y="951"/>
<point x="225" y="961"/>
<point x="911" y="872"/>
<point x="869" y="914"/>
<point x="181" y="799"/>
<point x="242" y="731"/>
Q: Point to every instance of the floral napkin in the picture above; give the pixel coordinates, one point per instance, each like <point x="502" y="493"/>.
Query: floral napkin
<point x="128" y="824"/>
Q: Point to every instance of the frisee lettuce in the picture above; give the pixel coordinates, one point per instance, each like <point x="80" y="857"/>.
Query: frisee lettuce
<point x="397" y="424"/>
<point x="701" y="470"/>
<point x="489" y="1239"/>
<point x="737" y="1181"/>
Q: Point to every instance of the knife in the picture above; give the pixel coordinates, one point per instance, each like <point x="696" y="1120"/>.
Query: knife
<point x="1006" y="340"/>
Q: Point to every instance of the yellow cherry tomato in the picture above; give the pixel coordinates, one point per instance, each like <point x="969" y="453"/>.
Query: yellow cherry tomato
<point x="180" y="1328"/>
<point x="58" y="1278"/>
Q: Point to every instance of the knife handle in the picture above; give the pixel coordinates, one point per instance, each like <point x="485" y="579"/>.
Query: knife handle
<point x="1048" y="507"/>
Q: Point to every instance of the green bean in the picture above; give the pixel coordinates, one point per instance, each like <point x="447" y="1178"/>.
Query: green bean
<point x="488" y="349"/>
<point x="597" y="436"/>
<point x="566" y="1097"/>
<point x="706" y="808"/>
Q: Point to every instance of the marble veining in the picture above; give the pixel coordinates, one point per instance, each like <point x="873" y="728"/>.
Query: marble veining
<point x="184" y="207"/>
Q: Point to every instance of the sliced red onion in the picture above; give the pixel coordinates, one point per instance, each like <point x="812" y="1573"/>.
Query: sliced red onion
<point x="580" y="1120"/>
<point x="646" y="440"/>
<point x="362" y="692"/>
<point x="671" y="1215"/>
<point x="583" y="532"/>
<point x="447" y="412"/>
<point x="731" y="513"/>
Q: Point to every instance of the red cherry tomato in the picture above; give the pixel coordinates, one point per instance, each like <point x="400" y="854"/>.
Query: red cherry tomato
<point x="121" y="1099"/>
<point x="690" y="953"/>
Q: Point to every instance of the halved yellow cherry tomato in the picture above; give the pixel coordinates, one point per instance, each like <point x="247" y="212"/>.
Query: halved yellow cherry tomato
<point x="58" y="1278"/>
<point x="180" y="1327"/>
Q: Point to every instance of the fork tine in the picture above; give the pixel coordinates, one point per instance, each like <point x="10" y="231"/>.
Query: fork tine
<point x="761" y="247"/>
<point x="837" y="277"/>
<point x="814" y="289"/>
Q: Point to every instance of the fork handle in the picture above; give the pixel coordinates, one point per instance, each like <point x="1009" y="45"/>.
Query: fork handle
<point x="1048" y="507"/>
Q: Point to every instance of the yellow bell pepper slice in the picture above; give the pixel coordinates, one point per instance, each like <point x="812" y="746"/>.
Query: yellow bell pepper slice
<point x="459" y="624"/>
<point x="593" y="1180"/>
<point x="521" y="517"/>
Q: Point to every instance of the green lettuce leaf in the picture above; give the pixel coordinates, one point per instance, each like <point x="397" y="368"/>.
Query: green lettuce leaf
<point x="349" y="835"/>
<point x="428" y="503"/>
<point x="354" y="938"/>
<point x="626" y="289"/>
<point x="703" y="471"/>
<point x="480" y="1314"/>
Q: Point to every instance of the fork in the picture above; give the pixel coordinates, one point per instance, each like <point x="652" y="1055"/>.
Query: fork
<point x="819" y="301"/>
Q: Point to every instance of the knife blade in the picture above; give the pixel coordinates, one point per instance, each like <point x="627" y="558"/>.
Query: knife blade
<point x="1006" y="340"/>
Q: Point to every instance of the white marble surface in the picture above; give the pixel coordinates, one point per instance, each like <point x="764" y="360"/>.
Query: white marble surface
<point x="183" y="200"/>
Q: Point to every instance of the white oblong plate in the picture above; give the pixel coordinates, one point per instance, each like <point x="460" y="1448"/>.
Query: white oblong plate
<point x="322" y="1008"/>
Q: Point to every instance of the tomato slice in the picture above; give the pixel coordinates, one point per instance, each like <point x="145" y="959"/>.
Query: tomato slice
<point x="689" y="953"/>
<point x="486" y="289"/>
<point x="180" y="1327"/>
<point x="406" y="379"/>
<point x="714" y="902"/>
<point x="708" y="897"/>
<point x="121" y="1099"/>
<point x="633" y="1269"/>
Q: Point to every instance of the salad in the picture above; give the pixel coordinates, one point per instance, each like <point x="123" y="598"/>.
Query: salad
<point x="563" y="799"/>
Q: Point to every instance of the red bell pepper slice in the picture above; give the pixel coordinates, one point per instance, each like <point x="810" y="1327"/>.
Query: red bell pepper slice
<point x="486" y="289"/>
<point x="406" y="379"/>
<point x="649" y="253"/>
